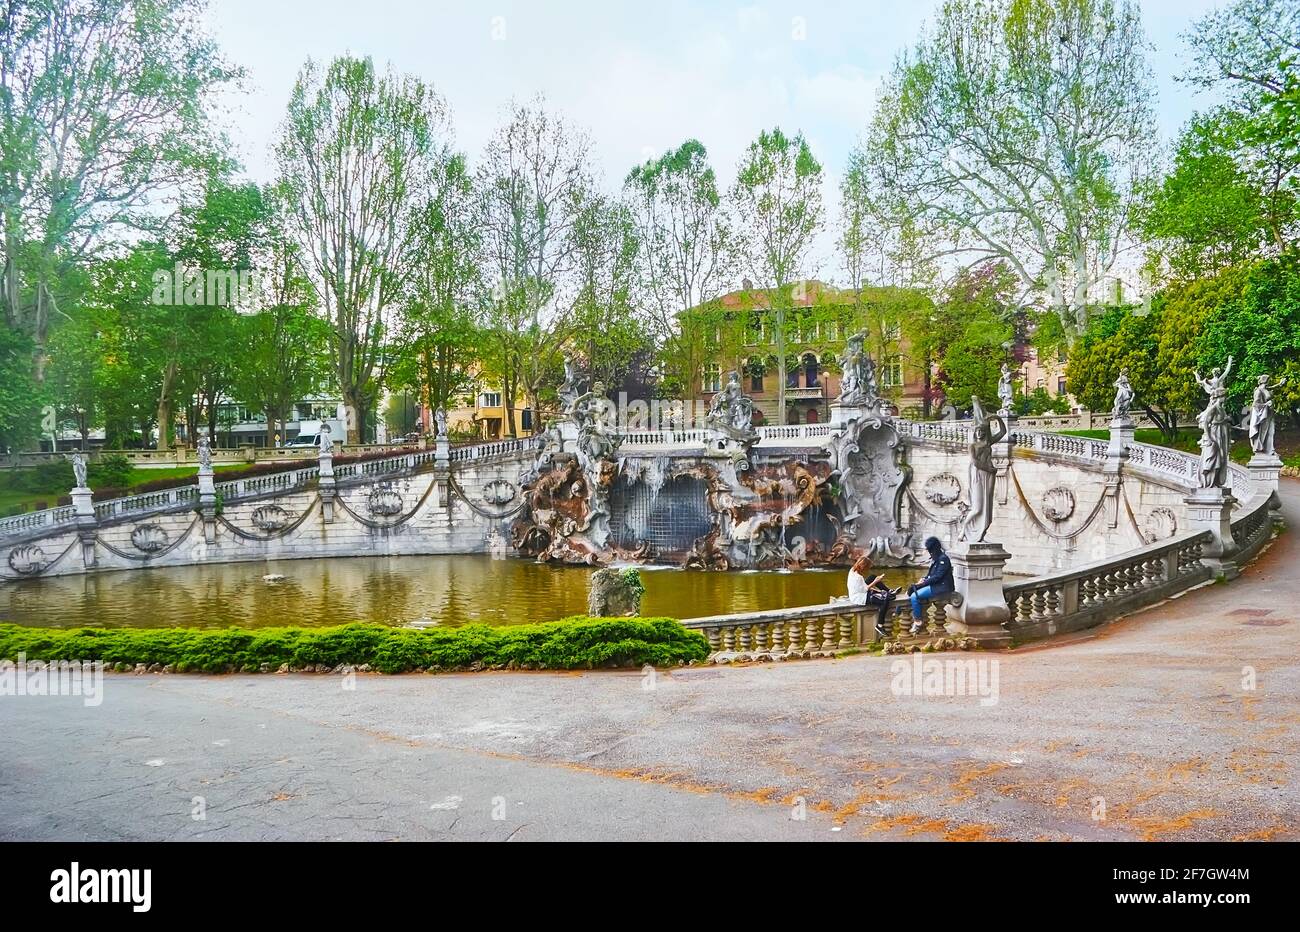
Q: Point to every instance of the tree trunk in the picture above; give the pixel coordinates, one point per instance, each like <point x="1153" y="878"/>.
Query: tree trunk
<point x="352" y="408"/>
<point x="780" y="364"/>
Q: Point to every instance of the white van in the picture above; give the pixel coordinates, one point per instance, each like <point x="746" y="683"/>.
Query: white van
<point x="309" y="433"/>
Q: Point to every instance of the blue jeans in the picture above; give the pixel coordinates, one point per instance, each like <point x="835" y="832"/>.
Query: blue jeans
<point x="917" y="597"/>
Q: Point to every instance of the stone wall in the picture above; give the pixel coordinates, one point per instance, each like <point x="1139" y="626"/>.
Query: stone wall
<point x="419" y="512"/>
<point x="1050" y="514"/>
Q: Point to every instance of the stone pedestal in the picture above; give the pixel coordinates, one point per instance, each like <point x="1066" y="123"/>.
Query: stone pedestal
<point x="208" y="504"/>
<point x="1265" y="468"/>
<point x="83" y="507"/>
<point x="1002" y="458"/>
<point x="977" y="571"/>
<point x="1211" y="509"/>
<point x="442" y="453"/>
<point x="1121" y="435"/>
<point x="844" y="414"/>
<point x="327" y="487"/>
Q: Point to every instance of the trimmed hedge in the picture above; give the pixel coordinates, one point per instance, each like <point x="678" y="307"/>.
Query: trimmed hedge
<point x="573" y="643"/>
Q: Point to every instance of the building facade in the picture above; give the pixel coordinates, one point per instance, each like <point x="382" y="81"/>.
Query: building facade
<point x="817" y="322"/>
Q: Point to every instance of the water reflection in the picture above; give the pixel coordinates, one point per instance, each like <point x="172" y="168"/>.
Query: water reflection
<point x="450" y="589"/>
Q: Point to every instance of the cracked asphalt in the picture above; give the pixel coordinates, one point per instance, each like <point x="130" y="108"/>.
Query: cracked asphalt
<point x="1178" y="723"/>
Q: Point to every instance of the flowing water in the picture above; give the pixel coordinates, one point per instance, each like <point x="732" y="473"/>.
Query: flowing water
<point x="452" y="590"/>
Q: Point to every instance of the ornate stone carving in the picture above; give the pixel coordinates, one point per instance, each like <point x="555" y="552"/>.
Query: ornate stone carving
<point x="868" y="459"/>
<point x="384" y="502"/>
<point x="149" y="538"/>
<point x="79" y="469"/>
<point x="858" y="383"/>
<point x="271" y="518"/>
<point x="440" y="424"/>
<point x="28" y="560"/>
<point x="326" y="441"/>
<point x="499" y="492"/>
<point x="943" y="489"/>
<point x="205" y="454"/>
<point x="1058" y="503"/>
<point x="1160" y="524"/>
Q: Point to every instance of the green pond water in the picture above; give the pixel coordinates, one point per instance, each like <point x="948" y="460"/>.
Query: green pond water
<point x="452" y="590"/>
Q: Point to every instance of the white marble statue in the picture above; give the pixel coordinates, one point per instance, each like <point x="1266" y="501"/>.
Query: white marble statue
<point x="1216" y="428"/>
<point x="1261" y="416"/>
<point x="440" y="423"/>
<point x="983" y="472"/>
<point x="1005" y="392"/>
<point x="326" y="441"/>
<point x="79" y="469"/>
<point x="1123" y="396"/>
<point x="205" y="455"/>
<point x="858" y="379"/>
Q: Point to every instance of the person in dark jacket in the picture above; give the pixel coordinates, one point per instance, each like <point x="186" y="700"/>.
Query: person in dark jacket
<point x="937" y="582"/>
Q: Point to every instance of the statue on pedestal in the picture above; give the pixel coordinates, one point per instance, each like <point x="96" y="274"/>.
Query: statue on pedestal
<point x="731" y="410"/>
<point x="326" y="442"/>
<point x="440" y="423"/>
<point x="1261" y="417"/>
<point x="1005" y="392"/>
<point x="983" y="472"/>
<point x="1216" y="428"/>
<point x="858" y="382"/>
<point x="79" y="469"/>
<point x="1123" y="397"/>
<point x="205" y="455"/>
<point x="590" y="410"/>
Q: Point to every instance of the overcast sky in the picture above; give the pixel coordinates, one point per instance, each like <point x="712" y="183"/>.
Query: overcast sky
<point x="640" y="77"/>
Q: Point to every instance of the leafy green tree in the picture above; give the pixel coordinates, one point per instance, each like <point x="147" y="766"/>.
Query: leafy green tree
<point x="1214" y="209"/>
<point x="969" y="333"/>
<point x="686" y="256"/>
<point x="104" y="109"/>
<point x="1255" y="318"/>
<point x="778" y="195"/>
<point x="1013" y="130"/>
<point x="1233" y="194"/>
<point x="440" y="340"/>
<point x="603" y="321"/>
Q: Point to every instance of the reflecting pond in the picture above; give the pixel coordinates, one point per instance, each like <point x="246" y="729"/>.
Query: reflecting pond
<point x="450" y="589"/>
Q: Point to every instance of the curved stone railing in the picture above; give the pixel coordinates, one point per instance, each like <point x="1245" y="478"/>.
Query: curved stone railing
<point x="1252" y="528"/>
<point x="146" y="503"/>
<point x="1085" y="595"/>
<point x="806" y="631"/>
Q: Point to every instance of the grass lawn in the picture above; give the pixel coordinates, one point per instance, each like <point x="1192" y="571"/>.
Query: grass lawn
<point x="11" y="497"/>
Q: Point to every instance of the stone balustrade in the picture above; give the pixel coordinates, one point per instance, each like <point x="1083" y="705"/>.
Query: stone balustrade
<point x="807" y="631"/>
<point x="1086" y="595"/>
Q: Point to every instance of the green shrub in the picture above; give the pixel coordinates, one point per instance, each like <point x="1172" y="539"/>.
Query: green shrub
<point x="573" y="643"/>
<point x="49" y="477"/>
<point x="113" y="469"/>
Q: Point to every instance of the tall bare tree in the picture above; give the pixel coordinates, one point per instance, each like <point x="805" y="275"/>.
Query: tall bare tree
<point x="1018" y="130"/>
<point x="530" y="184"/>
<point x="354" y="158"/>
<point x="777" y="196"/>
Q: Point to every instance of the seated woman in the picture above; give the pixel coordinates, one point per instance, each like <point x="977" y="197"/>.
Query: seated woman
<point x="870" y="590"/>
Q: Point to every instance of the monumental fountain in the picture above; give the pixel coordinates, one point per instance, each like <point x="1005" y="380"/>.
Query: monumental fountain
<point x="1047" y="532"/>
